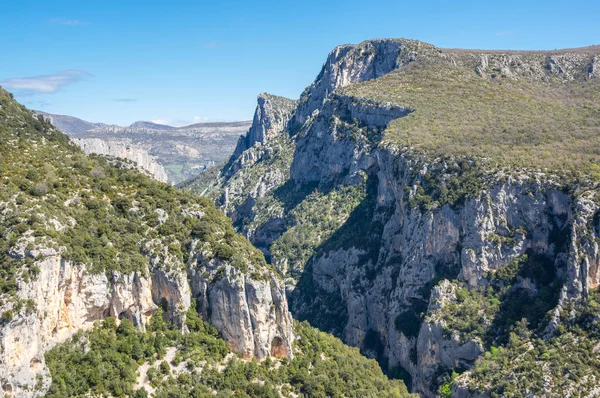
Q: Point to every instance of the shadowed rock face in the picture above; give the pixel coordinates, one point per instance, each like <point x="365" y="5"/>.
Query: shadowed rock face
<point x="385" y="278"/>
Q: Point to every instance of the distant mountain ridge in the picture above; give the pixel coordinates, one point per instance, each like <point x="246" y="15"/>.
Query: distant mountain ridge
<point x="169" y="153"/>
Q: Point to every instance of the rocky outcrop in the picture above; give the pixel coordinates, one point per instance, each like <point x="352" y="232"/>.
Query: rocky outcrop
<point x="67" y="298"/>
<point x="251" y="314"/>
<point x="248" y="309"/>
<point x="435" y="349"/>
<point x="531" y="65"/>
<point x="326" y="150"/>
<point x="380" y="280"/>
<point x="124" y="149"/>
<point x="270" y="119"/>
<point x="350" y="64"/>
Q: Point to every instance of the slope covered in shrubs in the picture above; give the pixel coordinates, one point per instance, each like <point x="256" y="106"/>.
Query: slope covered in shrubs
<point x="107" y="360"/>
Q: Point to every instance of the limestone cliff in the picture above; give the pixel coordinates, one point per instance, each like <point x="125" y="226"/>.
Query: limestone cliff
<point x="124" y="149"/>
<point x="180" y="152"/>
<point x="82" y="239"/>
<point x="429" y="227"/>
<point x="248" y="309"/>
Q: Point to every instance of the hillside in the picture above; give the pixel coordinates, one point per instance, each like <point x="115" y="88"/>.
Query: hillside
<point x="516" y="116"/>
<point x="438" y="209"/>
<point x="172" y="154"/>
<point x="107" y="276"/>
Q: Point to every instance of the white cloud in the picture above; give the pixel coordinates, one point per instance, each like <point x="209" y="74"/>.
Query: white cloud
<point x="66" y="22"/>
<point x="198" y="119"/>
<point x="160" y="121"/>
<point x="44" y="83"/>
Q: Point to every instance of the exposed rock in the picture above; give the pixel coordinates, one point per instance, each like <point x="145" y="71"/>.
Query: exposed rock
<point x="189" y="150"/>
<point x="270" y="119"/>
<point x="435" y="349"/>
<point x="386" y="264"/>
<point x="124" y="149"/>
<point x="250" y="313"/>
<point x="67" y="299"/>
<point x="349" y="64"/>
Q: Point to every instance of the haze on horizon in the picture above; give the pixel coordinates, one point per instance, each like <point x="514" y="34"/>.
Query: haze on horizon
<point x="194" y="62"/>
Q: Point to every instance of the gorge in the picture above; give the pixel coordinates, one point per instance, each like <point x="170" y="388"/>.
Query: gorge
<point x="435" y="208"/>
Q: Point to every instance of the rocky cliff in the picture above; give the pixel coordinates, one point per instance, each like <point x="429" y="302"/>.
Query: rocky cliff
<point x="84" y="239"/>
<point x="413" y="228"/>
<point x="250" y="312"/>
<point x="124" y="149"/>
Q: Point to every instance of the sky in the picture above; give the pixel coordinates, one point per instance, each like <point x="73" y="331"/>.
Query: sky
<point x="182" y="62"/>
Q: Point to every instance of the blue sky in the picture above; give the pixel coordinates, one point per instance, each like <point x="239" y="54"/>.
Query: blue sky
<point x="188" y="61"/>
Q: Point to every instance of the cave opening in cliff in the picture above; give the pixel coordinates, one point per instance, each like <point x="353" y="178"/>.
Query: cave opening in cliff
<point x="278" y="348"/>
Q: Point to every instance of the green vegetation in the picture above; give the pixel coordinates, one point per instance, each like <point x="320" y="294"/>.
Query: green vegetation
<point x="447" y="182"/>
<point x="105" y="362"/>
<point x="361" y="231"/>
<point x="274" y="165"/>
<point x="513" y="122"/>
<point x="205" y="182"/>
<point x="93" y="210"/>
<point x="490" y="313"/>
<point x="527" y="365"/>
<point x="310" y="223"/>
<point x="471" y="314"/>
<point x="445" y="389"/>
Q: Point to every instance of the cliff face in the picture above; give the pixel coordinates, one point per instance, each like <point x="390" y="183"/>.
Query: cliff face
<point x="251" y="314"/>
<point x="430" y="233"/>
<point x="350" y="64"/>
<point x="82" y="239"/>
<point x="387" y="271"/>
<point x="124" y="150"/>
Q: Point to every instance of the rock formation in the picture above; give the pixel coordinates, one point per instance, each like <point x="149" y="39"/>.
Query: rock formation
<point x="251" y="314"/>
<point x="382" y="279"/>
<point x="124" y="149"/>
<point x="82" y="240"/>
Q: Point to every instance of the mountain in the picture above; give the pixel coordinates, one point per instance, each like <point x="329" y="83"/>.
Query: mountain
<point x="171" y="154"/>
<point x="150" y="125"/>
<point x="115" y="284"/>
<point x="437" y="208"/>
<point x="71" y="125"/>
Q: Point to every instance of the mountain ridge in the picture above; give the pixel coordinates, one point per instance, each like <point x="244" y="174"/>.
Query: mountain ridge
<point x="108" y="276"/>
<point x="169" y="153"/>
<point x="428" y="260"/>
<point x="139" y="123"/>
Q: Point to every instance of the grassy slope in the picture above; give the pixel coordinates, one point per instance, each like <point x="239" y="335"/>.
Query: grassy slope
<point x="515" y="122"/>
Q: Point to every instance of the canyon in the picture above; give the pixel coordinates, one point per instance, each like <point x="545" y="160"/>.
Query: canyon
<point x="169" y="154"/>
<point x="385" y="236"/>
